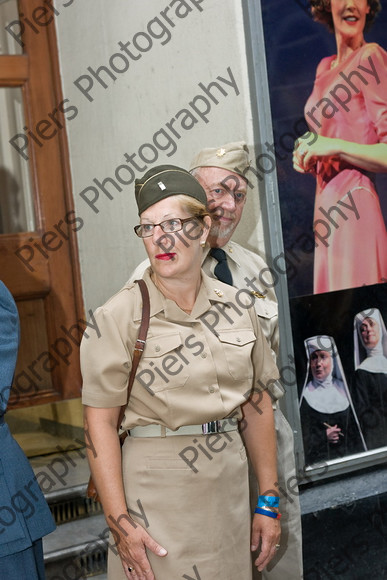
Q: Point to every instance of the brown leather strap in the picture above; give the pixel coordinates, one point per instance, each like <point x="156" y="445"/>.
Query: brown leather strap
<point x="139" y="345"/>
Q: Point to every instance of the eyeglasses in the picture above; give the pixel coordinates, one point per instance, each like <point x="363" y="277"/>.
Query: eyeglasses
<point x="168" y="226"/>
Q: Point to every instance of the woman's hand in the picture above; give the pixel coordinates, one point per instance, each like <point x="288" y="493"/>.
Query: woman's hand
<point x="333" y="434"/>
<point x="308" y="150"/>
<point x="266" y="531"/>
<point x="131" y="539"/>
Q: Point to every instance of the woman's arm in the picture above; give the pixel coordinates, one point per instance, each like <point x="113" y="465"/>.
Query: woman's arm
<point x="104" y="455"/>
<point x="258" y="432"/>
<point x="369" y="157"/>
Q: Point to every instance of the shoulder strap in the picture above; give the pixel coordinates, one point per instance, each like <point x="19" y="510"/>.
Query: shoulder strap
<point x="139" y="345"/>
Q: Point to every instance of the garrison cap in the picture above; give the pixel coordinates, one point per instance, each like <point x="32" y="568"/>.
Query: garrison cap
<point x="164" y="181"/>
<point x="232" y="156"/>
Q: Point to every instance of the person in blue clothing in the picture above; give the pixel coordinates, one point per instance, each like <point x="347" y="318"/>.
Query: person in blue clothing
<point x="24" y="514"/>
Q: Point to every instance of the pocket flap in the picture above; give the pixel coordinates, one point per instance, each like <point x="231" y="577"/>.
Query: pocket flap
<point x="161" y="345"/>
<point x="237" y="337"/>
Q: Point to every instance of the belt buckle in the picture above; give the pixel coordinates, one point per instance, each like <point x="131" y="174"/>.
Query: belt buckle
<point x="210" y="427"/>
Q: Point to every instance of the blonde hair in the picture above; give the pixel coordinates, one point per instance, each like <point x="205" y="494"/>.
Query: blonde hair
<point x="193" y="206"/>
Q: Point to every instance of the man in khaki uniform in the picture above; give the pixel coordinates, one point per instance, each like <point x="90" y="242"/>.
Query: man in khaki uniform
<point x="221" y="173"/>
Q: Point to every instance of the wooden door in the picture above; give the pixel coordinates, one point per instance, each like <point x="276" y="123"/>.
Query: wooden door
<point x="38" y="249"/>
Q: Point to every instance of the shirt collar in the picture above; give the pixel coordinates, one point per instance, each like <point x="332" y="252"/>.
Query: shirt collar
<point x="210" y="292"/>
<point x="228" y="248"/>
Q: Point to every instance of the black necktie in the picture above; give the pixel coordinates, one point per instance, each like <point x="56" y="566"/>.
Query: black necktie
<point x="222" y="271"/>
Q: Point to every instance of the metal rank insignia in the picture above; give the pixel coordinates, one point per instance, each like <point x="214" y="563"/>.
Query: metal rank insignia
<point x="257" y="294"/>
<point x="220" y="152"/>
<point x="218" y="292"/>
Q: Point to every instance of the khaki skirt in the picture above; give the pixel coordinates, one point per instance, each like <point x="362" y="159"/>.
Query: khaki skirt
<point x="191" y="495"/>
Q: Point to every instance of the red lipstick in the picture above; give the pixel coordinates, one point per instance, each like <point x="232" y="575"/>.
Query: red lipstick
<point x="168" y="256"/>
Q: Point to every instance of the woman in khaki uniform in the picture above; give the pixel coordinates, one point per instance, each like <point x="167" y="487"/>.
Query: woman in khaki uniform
<point x="177" y="501"/>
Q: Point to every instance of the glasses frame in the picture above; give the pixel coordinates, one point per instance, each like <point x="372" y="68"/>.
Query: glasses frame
<point x="161" y="224"/>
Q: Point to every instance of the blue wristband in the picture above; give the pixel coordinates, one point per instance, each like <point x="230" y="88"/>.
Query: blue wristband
<point x="267" y="513"/>
<point x="268" y="501"/>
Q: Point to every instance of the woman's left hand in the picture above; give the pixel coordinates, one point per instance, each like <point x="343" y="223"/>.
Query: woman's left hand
<point x="309" y="149"/>
<point x="266" y="532"/>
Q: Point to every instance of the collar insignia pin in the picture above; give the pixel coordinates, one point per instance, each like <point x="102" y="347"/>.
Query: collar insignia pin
<point x="218" y="292"/>
<point x="220" y="152"/>
<point x="257" y="294"/>
<point x="161" y="185"/>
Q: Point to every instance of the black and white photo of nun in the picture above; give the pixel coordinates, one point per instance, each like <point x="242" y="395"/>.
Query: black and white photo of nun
<point x="370" y="387"/>
<point x="330" y="426"/>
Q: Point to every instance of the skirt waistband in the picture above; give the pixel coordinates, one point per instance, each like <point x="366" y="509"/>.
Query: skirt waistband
<point x="205" y="429"/>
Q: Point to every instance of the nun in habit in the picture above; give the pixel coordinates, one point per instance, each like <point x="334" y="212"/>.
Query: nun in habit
<point x="370" y="388"/>
<point x="330" y="426"/>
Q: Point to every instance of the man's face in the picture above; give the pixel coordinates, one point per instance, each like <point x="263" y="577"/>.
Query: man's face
<point x="226" y="195"/>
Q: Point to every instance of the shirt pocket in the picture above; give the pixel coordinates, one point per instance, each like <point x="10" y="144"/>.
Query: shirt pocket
<point x="162" y="363"/>
<point x="237" y="346"/>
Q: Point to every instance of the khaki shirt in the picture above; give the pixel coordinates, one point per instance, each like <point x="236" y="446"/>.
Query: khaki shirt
<point x="249" y="271"/>
<point x="196" y="367"/>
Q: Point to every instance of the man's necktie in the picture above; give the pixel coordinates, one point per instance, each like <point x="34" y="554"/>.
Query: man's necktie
<point x="222" y="271"/>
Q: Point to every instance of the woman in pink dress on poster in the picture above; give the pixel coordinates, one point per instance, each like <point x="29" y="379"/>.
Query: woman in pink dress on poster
<point x="346" y="145"/>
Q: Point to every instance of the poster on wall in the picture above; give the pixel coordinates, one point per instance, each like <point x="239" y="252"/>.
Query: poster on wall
<point x="327" y="73"/>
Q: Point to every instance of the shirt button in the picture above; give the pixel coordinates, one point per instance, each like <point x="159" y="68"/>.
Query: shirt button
<point x="211" y="389"/>
<point x="157" y="348"/>
<point x="204" y="355"/>
<point x="238" y="339"/>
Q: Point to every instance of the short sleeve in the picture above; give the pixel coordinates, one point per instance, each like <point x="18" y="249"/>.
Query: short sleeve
<point x="374" y="60"/>
<point x="105" y="363"/>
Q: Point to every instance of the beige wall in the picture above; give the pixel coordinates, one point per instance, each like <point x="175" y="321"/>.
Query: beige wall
<point x="117" y="120"/>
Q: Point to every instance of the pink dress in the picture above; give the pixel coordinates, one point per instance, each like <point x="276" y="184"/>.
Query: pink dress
<point x="349" y="102"/>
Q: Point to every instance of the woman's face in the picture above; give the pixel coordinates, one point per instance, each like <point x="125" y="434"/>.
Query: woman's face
<point x="321" y="364"/>
<point x="370" y="332"/>
<point x="349" y="16"/>
<point x="173" y="254"/>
